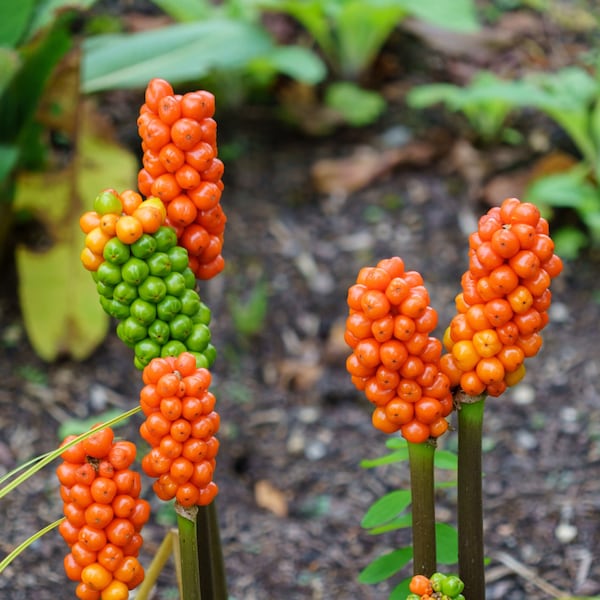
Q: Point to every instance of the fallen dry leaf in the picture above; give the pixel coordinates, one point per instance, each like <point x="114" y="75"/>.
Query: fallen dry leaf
<point x="269" y="497"/>
<point x="352" y="173"/>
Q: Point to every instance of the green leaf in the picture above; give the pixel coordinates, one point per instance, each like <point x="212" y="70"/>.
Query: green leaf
<point x="401" y="590"/>
<point x="58" y="297"/>
<point x="569" y="242"/>
<point x="14" y="18"/>
<point x="385" y="566"/>
<point x="298" y="63"/>
<point x="10" y="61"/>
<point x="423" y="96"/>
<point x="186" y="10"/>
<point x="386" y="508"/>
<point x="458" y="15"/>
<point x="446" y="541"/>
<point x="361" y="33"/>
<point x="568" y="190"/>
<point x="444" y="459"/>
<point x="400" y="523"/>
<point x="393" y="457"/>
<point x="358" y="106"/>
<point x="48" y="11"/>
<point x="179" y="53"/>
<point x="21" y="96"/>
<point x="8" y="159"/>
<point x="396" y="443"/>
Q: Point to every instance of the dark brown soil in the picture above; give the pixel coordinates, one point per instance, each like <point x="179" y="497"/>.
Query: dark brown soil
<point x="294" y="430"/>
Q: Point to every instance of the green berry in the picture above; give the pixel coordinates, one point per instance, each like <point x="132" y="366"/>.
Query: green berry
<point x="125" y="292"/>
<point x="165" y="237"/>
<point x="108" y="202"/>
<point x="179" y="258"/>
<point x="168" y="308"/>
<point x="173" y="348"/>
<point x="199" y="338"/>
<point x="180" y="327"/>
<point x="116" y="252"/>
<point x="109" y="274"/>
<point x="144" y="247"/>
<point x="134" y="271"/>
<point x="114" y="308"/>
<point x="159" y="264"/>
<point x="146" y="349"/>
<point x="159" y="331"/>
<point x="131" y="332"/>
<point x="143" y="312"/>
<point x="152" y="289"/>
<point x="175" y="283"/>
<point x="452" y="585"/>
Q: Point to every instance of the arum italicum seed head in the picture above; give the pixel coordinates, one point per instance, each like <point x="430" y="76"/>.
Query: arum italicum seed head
<point x="395" y="360"/>
<point x="504" y="301"/>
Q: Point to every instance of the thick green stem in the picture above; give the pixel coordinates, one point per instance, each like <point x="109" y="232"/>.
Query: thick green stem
<point x="470" y="502"/>
<point x="188" y="544"/>
<point x="423" y="507"/>
<point x="212" y="581"/>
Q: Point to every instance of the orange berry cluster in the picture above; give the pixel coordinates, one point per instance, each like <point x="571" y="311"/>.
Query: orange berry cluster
<point x="123" y="216"/>
<point x="180" y="166"/>
<point x="104" y="516"/>
<point x="504" y="300"/>
<point x="394" y="360"/>
<point x="180" y="426"/>
<point x="437" y="587"/>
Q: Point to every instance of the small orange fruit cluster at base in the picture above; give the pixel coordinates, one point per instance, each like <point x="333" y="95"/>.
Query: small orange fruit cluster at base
<point x="180" y="166"/>
<point x="504" y="300"/>
<point x="124" y="216"/>
<point x="394" y="360"/>
<point x="104" y="516"/>
<point x="180" y="426"/>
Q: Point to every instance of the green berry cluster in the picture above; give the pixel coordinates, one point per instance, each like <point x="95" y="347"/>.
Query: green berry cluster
<point x="149" y="287"/>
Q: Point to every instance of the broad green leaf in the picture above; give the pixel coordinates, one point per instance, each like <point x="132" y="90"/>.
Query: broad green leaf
<point x="396" y="443"/>
<point x="458" y="15"/>
<point x="361" y="33"/>
<point x="296" y="62"/>
<point x="14" y="18"/>
<point x="446" y="540"/>
<point x="444" y="459"/>
<point x="58" y="298"/>
<point x="400" y="523"/>
<point x="401" y="590"/>
<point x="179" y="52"/>
<point x="313" y="16"/>
<point x="8" y="159"/>
<point x="393" y="457"/>
<point x="569" y="242"/>
<point x="385" y="566"/>
<point x="358" y="106"/>
<point x="423" y="96"/>
<point x="570" y="189"/>
<point x="186" y="10"/>
<point x="10" y="61"/>
<point x="47" y="12"/>
<point x="386" y="508"/>
<point x="20" y="99"/>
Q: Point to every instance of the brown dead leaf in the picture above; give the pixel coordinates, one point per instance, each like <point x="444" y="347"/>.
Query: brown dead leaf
<point x="269" y="497"/>
<point x="552" y="163"/>
<point x="505" y="185"/>
<point x="481" y="44"/>
<point x="297" y="374"/>
<point x="347" y="175"/>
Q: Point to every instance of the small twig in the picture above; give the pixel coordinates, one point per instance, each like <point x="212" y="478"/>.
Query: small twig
<point x="530" y="575"/>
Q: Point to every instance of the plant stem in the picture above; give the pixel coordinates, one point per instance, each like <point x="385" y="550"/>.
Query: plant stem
<point x="212" y="581"/>
<point x="24" y="545"/>
<point x="470" y="502"/>
<point x="423" y="507"/>
<point x="159" y="560"/>
<point x="188" y="544"/>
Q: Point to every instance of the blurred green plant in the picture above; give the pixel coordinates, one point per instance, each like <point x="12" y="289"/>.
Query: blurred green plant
<point x="390" y="513"/>
<point x="207" y="38"/>
<point x="249" y="315"/>
<point x="53" y="155"/>
<point x="351" y="33"/>
<point x="571" y="98"/>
